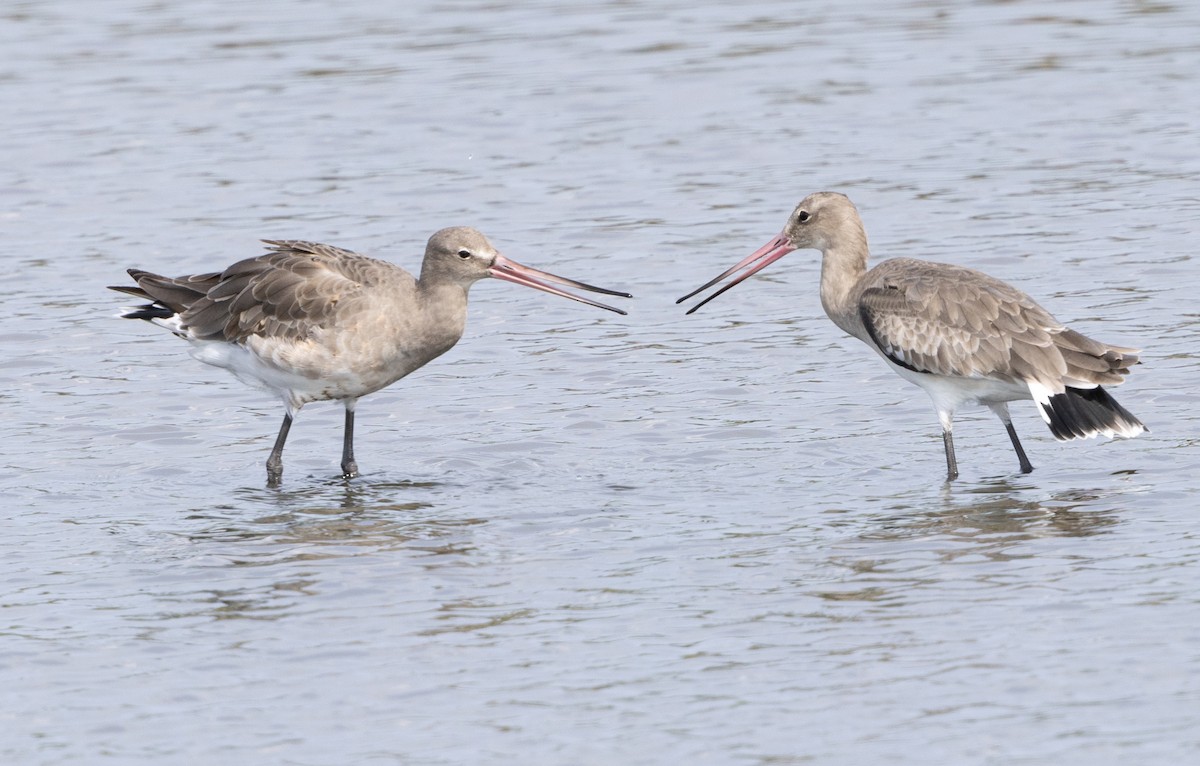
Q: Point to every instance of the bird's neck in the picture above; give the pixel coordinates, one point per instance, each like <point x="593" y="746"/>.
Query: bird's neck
<point x="443" y="305"/>
<point x="437" y="286"/>
<point x="842" y="267"/>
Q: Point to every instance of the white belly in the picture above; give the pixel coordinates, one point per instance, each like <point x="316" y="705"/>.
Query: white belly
<point x="949" y="393"/>
<point x="257" y="366"/>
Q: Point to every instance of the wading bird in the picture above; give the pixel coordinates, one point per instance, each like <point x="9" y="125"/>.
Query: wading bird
<point x="963" y="336"/>
<point x="311" y="322"/>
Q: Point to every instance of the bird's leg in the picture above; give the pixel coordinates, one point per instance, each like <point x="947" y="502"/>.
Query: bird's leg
<point x="349" y="467"/>
<point x="951" y="463"/>
<point x="1026" y="466"/>
<point x="946" y="417"/>
<point x="275" y="460"/>
<point x="1001" y="411"/>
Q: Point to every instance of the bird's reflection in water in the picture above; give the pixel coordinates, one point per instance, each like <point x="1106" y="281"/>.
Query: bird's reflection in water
<point x="295" y="530"/>
<point x="906" y="547"/>
<point x="1013" y="508"/>
<point x="335" y="518"/>
<point x="1001" y="507"/>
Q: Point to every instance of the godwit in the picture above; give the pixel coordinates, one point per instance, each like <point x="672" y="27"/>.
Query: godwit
<point x="963" y="336"/>
<point x="312" y="322"/>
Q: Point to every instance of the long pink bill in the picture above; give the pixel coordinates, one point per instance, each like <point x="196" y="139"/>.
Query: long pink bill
<point x="511" y="271"/>
<point x="757" y="261"/>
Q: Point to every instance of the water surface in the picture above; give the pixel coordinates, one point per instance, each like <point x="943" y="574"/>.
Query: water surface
<point x="582" y="538"/>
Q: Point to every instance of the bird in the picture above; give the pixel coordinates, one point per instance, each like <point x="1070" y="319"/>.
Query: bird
<point x="961" y="335"/>
<point x="312" y="322"/>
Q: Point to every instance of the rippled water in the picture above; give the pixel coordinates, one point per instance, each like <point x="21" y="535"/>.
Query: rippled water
<point x="583" y="538"/>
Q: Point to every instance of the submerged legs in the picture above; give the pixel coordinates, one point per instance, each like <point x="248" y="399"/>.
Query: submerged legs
<point x="1001" y="411"/>
<point x="951" y="463"/>
<point x="1026" y="466"/>
<point x="349" y="467"/>
<point x="275" y="460"/>
<point x="946" y="417"/>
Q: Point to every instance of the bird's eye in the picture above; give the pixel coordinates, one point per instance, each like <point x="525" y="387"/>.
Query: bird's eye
<point x="464" y="254"/>
<point x="802" y="216"/>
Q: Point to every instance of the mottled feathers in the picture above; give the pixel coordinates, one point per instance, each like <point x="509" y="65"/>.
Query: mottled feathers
<point x="954" y="321"/>
<point x="286" y="293"/>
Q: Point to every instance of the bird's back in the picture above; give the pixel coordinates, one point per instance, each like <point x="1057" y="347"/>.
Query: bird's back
<point x="307" y="320"/>
<point x="289" y="293"/>
<point x="954" y="321"/>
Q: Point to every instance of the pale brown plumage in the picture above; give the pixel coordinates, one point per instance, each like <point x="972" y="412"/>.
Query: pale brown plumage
<point x="961" y="335"/>
<point x="313" y="322"/>
<point x="286" y="293"/>
<point x="954" y="321"/>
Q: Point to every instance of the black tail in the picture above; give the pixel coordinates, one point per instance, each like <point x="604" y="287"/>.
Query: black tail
<point x="168" y="296"/>
<point x="149" y="311"/>
<point x="1079" y="413"/>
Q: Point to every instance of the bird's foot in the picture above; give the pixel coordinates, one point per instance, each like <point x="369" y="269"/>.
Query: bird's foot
<point x="274" y="473"/>
<point x="349" y="470"/>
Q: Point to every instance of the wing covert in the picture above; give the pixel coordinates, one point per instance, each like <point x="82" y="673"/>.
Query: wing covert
<point x="288" y="292"/>
<point x="949" y="320"/>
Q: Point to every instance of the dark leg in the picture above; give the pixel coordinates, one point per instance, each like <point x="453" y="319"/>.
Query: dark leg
<point x="349" y="467"/>
<point x="951" y="463"/>
<point x="275" y="461"/>
<point x="1001" y="410"/>
<point x="1026" y="466"/>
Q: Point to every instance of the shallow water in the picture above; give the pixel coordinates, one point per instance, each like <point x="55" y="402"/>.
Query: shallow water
<point x="584" y="538"/>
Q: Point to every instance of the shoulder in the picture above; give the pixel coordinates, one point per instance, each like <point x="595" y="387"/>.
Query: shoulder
<point x="290" y="291"/>
<point x="315" y="259"/>
<point x="943" y="285"/>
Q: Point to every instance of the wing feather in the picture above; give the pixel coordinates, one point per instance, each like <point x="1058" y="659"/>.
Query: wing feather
<point x="954" y="321"/>
<point x="949" y="320"/>
<point x="293" y="290"/>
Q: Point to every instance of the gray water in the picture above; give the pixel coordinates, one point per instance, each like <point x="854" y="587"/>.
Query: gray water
<point x="581" y="538"/>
